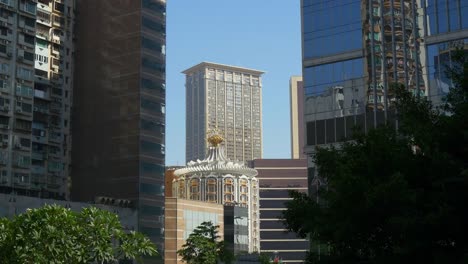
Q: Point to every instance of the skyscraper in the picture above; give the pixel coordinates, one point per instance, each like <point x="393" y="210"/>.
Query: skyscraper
<point x="36" y="84"/>
<point x="119" y="106"/>
<point x="354" y="51"/>
<point x="296" y="102"/>
<point x="228" y="98"/>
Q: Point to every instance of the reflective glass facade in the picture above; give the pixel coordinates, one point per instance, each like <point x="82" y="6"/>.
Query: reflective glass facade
<point x="119" y="125"/>
<point x="350" y="61"/>
<point x="446" y="16"/>
<point x="324" y="34"/>
<point x="380" y="42"/>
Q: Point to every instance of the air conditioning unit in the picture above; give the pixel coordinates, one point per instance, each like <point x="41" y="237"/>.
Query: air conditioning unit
<point x="20" y="58"/>
<point x="4" y="126"/>
<point x="19" y="110"/>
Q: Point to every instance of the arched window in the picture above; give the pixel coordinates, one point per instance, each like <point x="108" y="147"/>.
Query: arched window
<point x="194" y="189"/>
<point x="181" y="189"/>
<point x="211" y="193"/>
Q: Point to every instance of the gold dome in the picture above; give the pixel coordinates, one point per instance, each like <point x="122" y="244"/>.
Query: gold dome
<point x="214" y="137"/>
<point x="215" y="140"/>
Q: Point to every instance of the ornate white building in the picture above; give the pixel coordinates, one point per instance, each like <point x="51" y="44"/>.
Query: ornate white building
<point x="216" y="179"/>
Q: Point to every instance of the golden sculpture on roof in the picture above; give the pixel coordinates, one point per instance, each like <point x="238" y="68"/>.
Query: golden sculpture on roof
<point x="214" y="137"/>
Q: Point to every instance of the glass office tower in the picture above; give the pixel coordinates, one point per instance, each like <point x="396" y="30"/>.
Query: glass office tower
<point x="119" y="107"/>
<point x="354" y="51"/>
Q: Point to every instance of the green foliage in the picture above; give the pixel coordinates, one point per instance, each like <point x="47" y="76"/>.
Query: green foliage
<point x="203" y="246"/>
<point x="53" y="234"/>
<point x="394" y="196"/>
<point x="264" y="258"/>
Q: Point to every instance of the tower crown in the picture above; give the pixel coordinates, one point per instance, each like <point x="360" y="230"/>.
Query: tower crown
<point x="214" y="138"/>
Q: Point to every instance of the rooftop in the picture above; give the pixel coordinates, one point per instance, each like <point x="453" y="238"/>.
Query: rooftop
<point x="206" y="64"/>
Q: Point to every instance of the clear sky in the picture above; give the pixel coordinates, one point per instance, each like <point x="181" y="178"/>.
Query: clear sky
<point x="257" y="34"/>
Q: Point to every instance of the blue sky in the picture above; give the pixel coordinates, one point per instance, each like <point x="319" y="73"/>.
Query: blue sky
<point x="258" y="34"/>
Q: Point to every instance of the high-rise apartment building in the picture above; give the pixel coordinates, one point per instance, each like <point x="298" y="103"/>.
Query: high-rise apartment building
<point x="36" y="80"/>
<point x="354" y="51"/>
<point x="119" y="107"/>
<point x="296" y="103"/>
<point x="228" y="98"/>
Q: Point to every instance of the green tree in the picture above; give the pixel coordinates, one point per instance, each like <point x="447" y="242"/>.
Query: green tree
<point x="395" y="196"/>
<point x="53" y="234"/>
<point x="203" y="246"/>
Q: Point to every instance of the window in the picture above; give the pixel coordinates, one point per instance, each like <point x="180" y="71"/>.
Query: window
<point x="152" y="106"/>
<point x="25" y="142"/>
<point x="151" y="168"/>
<point x="153" y="25"/>
<point x="30" y="7"/>
<point x="149" y="210"/>
<point x="194" y="189"/>
<point x="59" y="7"/>
<point x="25" y="73"/>
<point x="41" y="43"/>
<point x="4" y="68"/>
<point x="29" y="39"/>
<point x="151" y="148"/>
<point x="152" y="85"/>
<point x="152" y="189"/>
<point x="155" y="5"/>
<point x="30" y="22"/>
<point x="152" y="126"/>
<point x="153" y="65"/>
<point x="55" y="166"/>
<point x="28" y="56"/>
<point x="24" y="90"/>
<point x="151" y="44"/>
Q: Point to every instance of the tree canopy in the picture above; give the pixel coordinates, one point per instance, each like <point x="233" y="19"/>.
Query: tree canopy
<point x="395" y="196"/>
<point x="203" y="246"/>
<point x="54" y="234"/>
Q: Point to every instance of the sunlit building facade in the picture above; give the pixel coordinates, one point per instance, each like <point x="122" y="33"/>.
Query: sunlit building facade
<point x="36" y="89"/>
<point x="218" y="180"/>
<point x="228" y="98"/>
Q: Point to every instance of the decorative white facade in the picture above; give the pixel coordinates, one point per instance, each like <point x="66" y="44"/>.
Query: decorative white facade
<point x="216" y="179"/>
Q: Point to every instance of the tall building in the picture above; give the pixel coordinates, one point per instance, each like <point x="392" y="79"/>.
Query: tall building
<point x="296" y="103"/>
<point x="119" y="107"/>
<point x="36" y="81"/>
<point x="354" y="51"/>
<point x="276" y="178"/>
<point x="228" y="98"/>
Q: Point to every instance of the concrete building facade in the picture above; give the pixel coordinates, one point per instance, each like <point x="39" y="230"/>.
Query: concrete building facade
<point x="119" y="107"/>
<point x="36" y="91"/>
<point x="277" y="177"/>
<point x="296" y="103"/>
<point x="228" y="98"/>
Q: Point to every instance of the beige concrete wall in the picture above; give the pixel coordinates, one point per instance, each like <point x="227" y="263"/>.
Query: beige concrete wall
<point x="175" y="224"/>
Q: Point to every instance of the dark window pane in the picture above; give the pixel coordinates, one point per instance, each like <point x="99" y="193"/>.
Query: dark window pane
<point x="151" y="148"/>
<point x="154" y="25"/>
<point x="278" y="235"/>
<point x="271" y="225"/>
<point x="150" y="210"/>
<point x="153" y="189"/>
